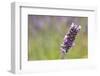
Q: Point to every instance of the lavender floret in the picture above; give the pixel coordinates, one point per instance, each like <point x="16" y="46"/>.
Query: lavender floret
<point x="70" y="38"/>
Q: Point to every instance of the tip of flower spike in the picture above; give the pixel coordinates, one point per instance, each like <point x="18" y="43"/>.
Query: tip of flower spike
<point x="74" y="25"/>
<point x="78" y="27"/>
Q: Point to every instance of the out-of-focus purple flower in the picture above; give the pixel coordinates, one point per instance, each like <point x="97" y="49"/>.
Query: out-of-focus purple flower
<point x="69" y="38"/>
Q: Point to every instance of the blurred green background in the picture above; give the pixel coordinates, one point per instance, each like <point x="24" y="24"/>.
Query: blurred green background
<point x="46" y="33"/>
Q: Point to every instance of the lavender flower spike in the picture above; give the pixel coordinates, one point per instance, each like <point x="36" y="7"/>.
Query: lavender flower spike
<point x="69" y="39"/>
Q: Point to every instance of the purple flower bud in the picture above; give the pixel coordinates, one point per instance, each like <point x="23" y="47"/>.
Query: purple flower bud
<point x="70" y="37"/>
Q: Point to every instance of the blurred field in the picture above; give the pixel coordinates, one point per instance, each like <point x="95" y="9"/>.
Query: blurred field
<point x="46" y="33"/>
